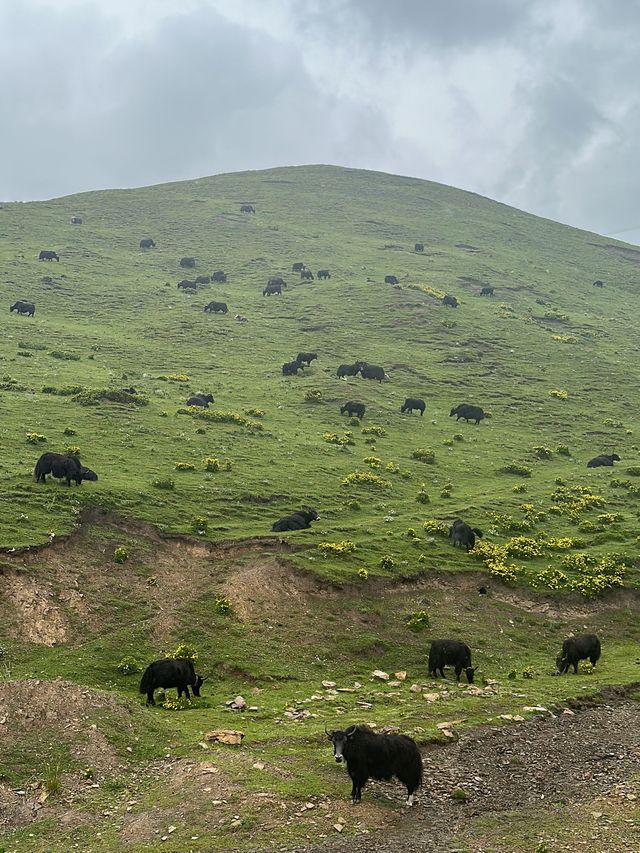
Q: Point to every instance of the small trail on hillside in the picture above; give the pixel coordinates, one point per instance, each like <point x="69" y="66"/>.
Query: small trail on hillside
<point x="573" y="759"/>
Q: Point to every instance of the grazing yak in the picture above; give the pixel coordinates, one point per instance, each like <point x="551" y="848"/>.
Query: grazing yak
<point x="179" y="673"/>
<point x="390" y="279"/>
<point x="306" y="275"/>
<point x="219" y="276"/>
<point x="487" y="291"/>
<point x="348" y="370"/>
<point x="323" y="274"/>
<point x="469" y="413"/>
<point x="76" y="220"/>
<point x="23" y="308"/>
<point x="372" y="371"/>
<point x="450" y="300"/>
<point x="461" y="534"/>
<point x="297" y="267"/>
<point x="188" y="263"/>
<point x="412" y="403"/>
<point x="377" y="756"/>
<point x="47" y="255"/>
<point x="307" y="357"/>
<point x="419" y="247"/>
<point x="147" y="243"/>
<point x="450" y="653"/>
<point x="201" y="400"/>
<point x="185" y="284"/>
<point x="605" y="460"/>
<point x="575" y="649"/>
<point x="598" y="283"/>
<point x="272" y="289"/>
<point x="247" y="208"/>
<point x="203" y="279"/>
<point x="61" y="465"/>
<point x="353" y="409"/>
<point x="299" y="520"/>
<point x="216" y="307"/>
<point x="291" y="368"/>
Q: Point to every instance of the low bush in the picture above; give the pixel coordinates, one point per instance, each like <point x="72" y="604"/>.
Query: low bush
<point x="418" y="621"/>
<point x="121" y="554"/>
<point x="211" y="464"/>
<point x="515" y="468"/>
<point x="558" y="394"/>
<point x="387" y="563"/>
<point x="313" y="395"/>
<point x="343" y="440"/>
<point x="64" y="356"/>
<point x="337" y="548"/>
<point x="368" y="479"/>
<point x="223" y="605"/>
<point x="423" y="454"/>
<point x="435" y="527"/>
<point x="183" y="650"/>
<point x="128" y="666"/>
<point x="35" y="438"/>
<point x="184" y="466"/>
<point x="163" y="483"/>
<point x="374" y="430"/>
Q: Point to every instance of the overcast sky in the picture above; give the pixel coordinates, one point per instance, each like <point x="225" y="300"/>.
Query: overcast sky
<point x="532" y="102"/>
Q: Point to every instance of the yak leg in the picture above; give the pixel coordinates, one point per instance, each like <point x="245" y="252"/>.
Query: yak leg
<point x="150" y="699"/>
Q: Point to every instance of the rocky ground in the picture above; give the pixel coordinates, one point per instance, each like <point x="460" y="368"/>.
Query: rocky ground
<point x="565" y="761"/>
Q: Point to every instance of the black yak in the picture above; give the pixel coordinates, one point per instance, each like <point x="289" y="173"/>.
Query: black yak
<point x="450" y="300"/>
<point x="201" y="400"/>
<point x="450" y="653"/>
<point x="323" y="274"/>
<point x="297" y="267"/>
<point x="291" y="368"/>
<point x="307" y="357"/>
<point x="412" y="403"/>
<point x="60" y="465"/>
<point x="147" y="243"/>
<point x="272" y="289"/>
<point x="46" y="255"/>
<point x="219" y="276"/>
<point x="216" y="307"/>
<point x="247" y="208"/>
<point x="306" y="275"/>
<point x="469" y="413"/>
<point x="20" y="307"/>
<point x="179" y="673"/>
<point x="377" y="756"/>
<point x="353" y="409"/>
<point x="185" y="284"/>
<point x="203" y="279"/>
<point x="76" y="220"/>
<point x="486" y="291"/>
<point x="598" y="283"/>
<point x="578" y="648"/>
<point x="299" y="520"/>
<point x="348" y="370"/>
<point x="188" y="263"/>
<point x="605" y="460"/>
<point x="390" y="279"/>
<point x="419" y="247"/>
<point x="461" y="534"/>
<point x="372" y="371"/>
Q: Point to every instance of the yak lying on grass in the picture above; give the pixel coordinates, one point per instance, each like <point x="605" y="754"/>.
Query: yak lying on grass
<point x="377" y="756"/>
<point x="605" y="460"/>
<point x="299" y="520"/>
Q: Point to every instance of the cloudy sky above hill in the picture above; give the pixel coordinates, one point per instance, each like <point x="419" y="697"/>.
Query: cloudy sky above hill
<point x="532" y="102"/>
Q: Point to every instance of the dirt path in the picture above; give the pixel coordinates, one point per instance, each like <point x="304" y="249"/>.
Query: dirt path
<point x="572" y="759"/>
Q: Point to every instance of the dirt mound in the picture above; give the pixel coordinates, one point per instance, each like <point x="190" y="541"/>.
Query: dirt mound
<point x="37" y="618"/>
<point x="43" y="719"/>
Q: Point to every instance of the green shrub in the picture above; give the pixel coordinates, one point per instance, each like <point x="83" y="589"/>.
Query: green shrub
<point x="387" y="563"/>
<point x="121" y="554"/>
<point x="35" y="438"/>
<point x="64" y="356"/>
<point x="423" y="454"/>
<point x="437" y="528"/>
<point x="200" y="526"/>
<point x="372" y="461"/>
<point x="353" y="505"/>
<point x="313" y="395"/>
<point x="549" y="578"/>
<point x="183" y="650"/>
<point x="458" y="436"/>
<point x="366" y="478"/>
<point x="223" y="605"/>
<point x="72" y="449"/>
<point x="519" y="488"/>
<point x="69" y="431"/>
<point x="633" y="470"/>
<point x="524" y="547"/>
<point x="542" y="452"/>
<point x="563" y="450"/>
<point x="363" y="573"/>
<point x="211" y="463"/>
<point x="528" y="672"/>
<point x="374" y="430"/>
<point x="343" y="440"/>
<point x="95" y="397"/>
<point x="184" y="466"/>
<point x="558" y="394"/>
<point x="128" y="666"/>
<point x="219" y="417"/>
<point x="418" y="621"/>
<point x="338" y="549"/>
<point x="159" y="483"/>
<point x="254" y="413"/>
<point x="515" y="468"/>
<point x="52" y="778"/>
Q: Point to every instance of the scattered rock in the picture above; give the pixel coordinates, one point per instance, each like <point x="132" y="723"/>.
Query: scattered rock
<point x="378" y="673"/>
<point x="228" y="736"/>
<point x="401" y="676"/>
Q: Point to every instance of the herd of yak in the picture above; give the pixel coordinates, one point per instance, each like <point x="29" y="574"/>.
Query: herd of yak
<point x="366" y="753"/>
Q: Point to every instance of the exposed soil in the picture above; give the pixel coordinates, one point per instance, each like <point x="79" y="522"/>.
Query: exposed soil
<point x="571" y="759"/>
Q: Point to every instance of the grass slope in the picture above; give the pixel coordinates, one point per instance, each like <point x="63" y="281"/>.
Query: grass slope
<point x="111" y="316"/>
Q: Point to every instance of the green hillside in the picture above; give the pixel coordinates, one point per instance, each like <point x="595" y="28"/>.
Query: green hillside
<point x="550" y="357"/>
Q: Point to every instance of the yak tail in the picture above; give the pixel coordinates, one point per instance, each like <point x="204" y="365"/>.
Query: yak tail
<point x="477" y="531"/>
<point x="146" y="682"/>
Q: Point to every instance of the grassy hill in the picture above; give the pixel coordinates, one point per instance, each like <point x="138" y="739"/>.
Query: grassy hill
<point x="551" y="357"/>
